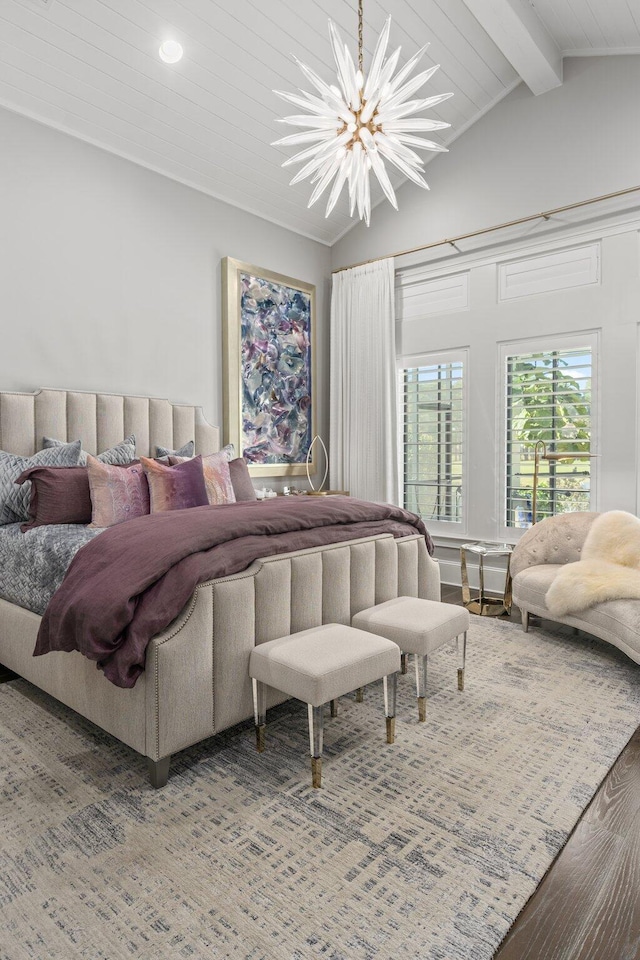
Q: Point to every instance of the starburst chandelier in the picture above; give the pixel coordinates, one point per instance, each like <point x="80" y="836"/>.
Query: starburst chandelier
<point x="361" y="123"/>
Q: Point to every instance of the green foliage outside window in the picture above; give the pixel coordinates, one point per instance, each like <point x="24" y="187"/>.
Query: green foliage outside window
<point x="549" y="399"/>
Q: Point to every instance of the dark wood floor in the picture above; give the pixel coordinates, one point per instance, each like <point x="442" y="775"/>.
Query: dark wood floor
<point x="588" y="905"/>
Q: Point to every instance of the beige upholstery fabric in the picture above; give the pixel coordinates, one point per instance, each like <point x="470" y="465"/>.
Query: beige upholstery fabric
<point x="100" y="420"/>
<point x="278" y="596"/>
<point x="535" y="561"/>
<point x="415" y="625"/>
<point x="323" y="663"/>
<point x="533" y="584"/>
<point x="72" y="679"/>
<point x="554" y="540"/>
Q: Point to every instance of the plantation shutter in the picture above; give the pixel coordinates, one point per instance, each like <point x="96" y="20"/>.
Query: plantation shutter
<point x="548" y="398"/>
<point x="433" y="442"/>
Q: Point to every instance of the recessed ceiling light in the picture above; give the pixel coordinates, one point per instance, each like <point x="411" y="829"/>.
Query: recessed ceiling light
<point x="170" y="51"/>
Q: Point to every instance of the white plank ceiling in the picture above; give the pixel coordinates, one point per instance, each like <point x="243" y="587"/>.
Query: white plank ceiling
<point x="91" y="68"/>
<point x="592" y="27"/>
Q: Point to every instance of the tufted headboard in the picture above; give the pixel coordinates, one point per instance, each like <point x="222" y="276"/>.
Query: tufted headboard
<point x="100" y="420"/>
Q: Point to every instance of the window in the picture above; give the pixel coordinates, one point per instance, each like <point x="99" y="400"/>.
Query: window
<point x="549" y="399"/>
<point x="433" y="410"/>
<point x="558" y="270"/>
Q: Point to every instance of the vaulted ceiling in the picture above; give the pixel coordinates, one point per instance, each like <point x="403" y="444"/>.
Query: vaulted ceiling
<point x="91" y="68"/>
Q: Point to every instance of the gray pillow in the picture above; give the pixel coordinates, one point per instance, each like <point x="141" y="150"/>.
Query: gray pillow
<point x="229" y="451"/>
<point x="187" y="450"/>
<point x="120" y="455"/>
<point x="15" y="499"/>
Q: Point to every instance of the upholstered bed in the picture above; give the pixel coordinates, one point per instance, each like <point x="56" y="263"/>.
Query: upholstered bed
<point x="195" y="683"/>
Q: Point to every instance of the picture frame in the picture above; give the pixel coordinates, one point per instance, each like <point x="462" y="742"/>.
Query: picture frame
<point x="268" y="340"/>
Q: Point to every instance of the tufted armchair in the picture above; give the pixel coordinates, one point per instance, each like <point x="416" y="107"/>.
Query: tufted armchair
<point x="535" y="561"/>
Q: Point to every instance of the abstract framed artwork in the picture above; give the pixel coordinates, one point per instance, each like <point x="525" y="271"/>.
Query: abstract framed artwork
<point x="268" y="335"/>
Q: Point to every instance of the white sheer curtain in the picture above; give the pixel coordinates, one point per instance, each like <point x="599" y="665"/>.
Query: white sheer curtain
<point x="363" y="449"/>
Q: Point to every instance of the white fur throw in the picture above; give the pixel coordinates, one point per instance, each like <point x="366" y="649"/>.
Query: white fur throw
<point x="609" y="568"/>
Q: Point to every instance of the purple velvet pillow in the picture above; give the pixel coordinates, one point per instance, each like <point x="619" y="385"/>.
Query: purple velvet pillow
<point x="241" y="480"/>
<point x="58" y="495"/>
<point x="217" y="477"/>
<point x="175" y="488"/>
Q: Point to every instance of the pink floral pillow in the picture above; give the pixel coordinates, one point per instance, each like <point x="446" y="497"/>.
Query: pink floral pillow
<point x="177" y="487"/>
<point x="217" y="477"/>
<point x="117" y="493"/>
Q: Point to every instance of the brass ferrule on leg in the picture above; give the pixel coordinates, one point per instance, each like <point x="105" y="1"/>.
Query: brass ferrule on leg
<point x="422" y="709"/>
<point x="391" y="729"/>
<point x="261" y="737"/>
<point x="461" y="679"/>
<point x="359" y="694"/>
<point x="316" y="771"/>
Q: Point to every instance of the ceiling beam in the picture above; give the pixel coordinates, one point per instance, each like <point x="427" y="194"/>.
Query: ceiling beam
<point x="515" y="28"/>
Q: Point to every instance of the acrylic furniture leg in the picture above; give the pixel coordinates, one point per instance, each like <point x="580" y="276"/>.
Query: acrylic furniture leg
<point x="260" y="712"/>
<point x="389" y="684"/>
<point x="421" y="686"/>
<point x="359" y="694"/>
<point x="315" y="744"/>
<point x="525" y="621"/>
<point x="461" y="641"/>
<point x="466" y="591"/>
<point x="158" y="771"/>
<point x="403" y="663"/>
<point x="334" y="708"/>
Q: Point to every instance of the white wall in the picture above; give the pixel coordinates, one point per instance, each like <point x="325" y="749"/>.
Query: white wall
<point x="610" y="308"/>
<point x="526" y="155"/>
<point x="110" y="273"/>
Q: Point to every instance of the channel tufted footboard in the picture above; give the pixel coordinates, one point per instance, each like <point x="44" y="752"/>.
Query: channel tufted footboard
<point x="196" y="681"/>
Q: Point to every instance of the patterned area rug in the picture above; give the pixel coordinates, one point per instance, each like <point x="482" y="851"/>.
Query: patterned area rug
<point x="427" y="848"/>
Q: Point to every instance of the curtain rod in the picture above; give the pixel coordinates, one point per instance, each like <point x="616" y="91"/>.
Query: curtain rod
<point x="500" y="226"/>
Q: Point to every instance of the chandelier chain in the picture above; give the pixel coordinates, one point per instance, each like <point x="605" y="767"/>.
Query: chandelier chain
<point x="360" y="56"/>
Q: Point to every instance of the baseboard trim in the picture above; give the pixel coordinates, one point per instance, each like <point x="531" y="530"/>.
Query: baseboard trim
<point x="493" y="576"/>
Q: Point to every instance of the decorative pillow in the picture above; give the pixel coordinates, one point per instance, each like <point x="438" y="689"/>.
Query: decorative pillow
<point x="229" y="451"/>
<point x="118" y="493"/>
<point x="241" y="481"/>
<point x="217" y="477"/>
<point x="175" y="488"/>
<point x="123" y="452"/>
<point x="14" y="499"/>
<point x="187" y="450"/>
<point x="58" y="495"/>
